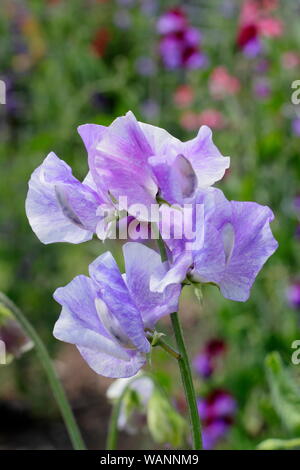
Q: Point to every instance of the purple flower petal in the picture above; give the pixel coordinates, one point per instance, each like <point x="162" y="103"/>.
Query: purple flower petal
<point x="108" y="366"/>
<point x="241" y="231"/>
<point x="91" y="134"/>
<point x="160" y="279"/>
<point x="205" y="158"/>
<point x="119" y="163"/>
<point x="140" y="263"/>
<point x="113" y="290"/>
<point x="60" y="208"/>
<point x="79" y="323"/>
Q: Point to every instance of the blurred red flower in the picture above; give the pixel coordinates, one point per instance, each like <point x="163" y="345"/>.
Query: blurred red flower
<point x="100" y="41"/>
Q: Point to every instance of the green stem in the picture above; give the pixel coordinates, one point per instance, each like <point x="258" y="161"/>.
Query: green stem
<point x="54" y="381"/>
<point x="112" y="436"/>
<point x="185" y="370"/>
<point x="187" y="380"/>
<point x="168" y="349"/>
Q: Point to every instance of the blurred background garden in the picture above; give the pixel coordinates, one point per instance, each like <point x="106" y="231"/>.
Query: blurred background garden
<point x="229" y="64"/>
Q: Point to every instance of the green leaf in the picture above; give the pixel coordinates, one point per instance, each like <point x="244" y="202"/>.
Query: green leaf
<point x="285" y="393"/>
<point x="276" y="444"/>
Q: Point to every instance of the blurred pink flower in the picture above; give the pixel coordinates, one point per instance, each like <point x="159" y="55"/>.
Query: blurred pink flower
<point x="189" y="120"/>
<point x="223" y="84"/>
<point x="255" y="22"/>
<point x="290" y="60"/>
<point x="270" y="27"/>
<point x="211" y="118"/>
<point x="183" y="96"/>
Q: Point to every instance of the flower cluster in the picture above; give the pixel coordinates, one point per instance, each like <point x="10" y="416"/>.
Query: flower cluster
<point x="293" y="295"/>
<point x="205" y="362"/>
<point x="223" y="84"/>
<point x="256" y="22"/>
<point x="180" y="42"/>
<point x="110" y="316"/>
<point x="217" y="412"/>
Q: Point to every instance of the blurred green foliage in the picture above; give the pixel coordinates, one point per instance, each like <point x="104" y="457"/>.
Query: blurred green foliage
<point x="58" y="83"/>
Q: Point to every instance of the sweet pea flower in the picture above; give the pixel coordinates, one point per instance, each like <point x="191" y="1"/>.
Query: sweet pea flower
<point x="184" y="96"/>
<point x="296" y="126"/>
<point x="211" y="118"/>
<point x="172" y="21"/>
<point x="132" y="415"/>
<point x="204" y="363"/>
<point x="262" y="88"/>
<point x="290" y="60"/>
<point x="100" y="42"/>
<point x="127" y="159"/>
<point x="255" y="23"/>
<point x="106" y="315"/>
<point x="216" y="411"/>
<point x="223" y="84"/>
<point x="15" y="340"/>
<point x="180" y="43"/>
<point x="60" y="208"/>
<point x="293" y="295"/>
<point x="140" y="161"/>
<point x="237" y="242"/>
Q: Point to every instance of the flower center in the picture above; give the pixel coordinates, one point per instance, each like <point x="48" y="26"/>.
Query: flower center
<point x="187" y="176"/>
<point x="66" y="208"/>
<point x="112" y="325"/>
<point x="228" y="238"/>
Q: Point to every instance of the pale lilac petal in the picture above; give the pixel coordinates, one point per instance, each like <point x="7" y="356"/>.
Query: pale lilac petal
<point x="78" y="322"/>
<point x="113" y="290"/>
<point x="91" y="134"/>
<point x="140" y="263"/>
<point x="207" y="161"/>
<point x="160" y="141"/>
<point x="169" y="189"/>
<point x="119" y="165"/>
<point x="60" y="208"/>
<point x="119" y="162"/>
<point x="124" y="184"/>
<point x="209" y="262"/>
<point x="176" y="178"/>
<point x="125" y="141"/>
<point x="253" y="245"/>
<point x="175" y="275"/>
<point x="110" y="366"/>
<point x="238" y="241"/>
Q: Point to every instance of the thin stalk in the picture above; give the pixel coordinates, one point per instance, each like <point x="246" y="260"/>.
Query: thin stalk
<point x="55" y="384"/>
<point x="187" y="380"/>
<point x="168" y="349"/>
<point x="185" y="369"/>
<point x="112" y="436"/>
